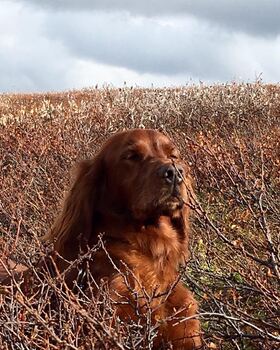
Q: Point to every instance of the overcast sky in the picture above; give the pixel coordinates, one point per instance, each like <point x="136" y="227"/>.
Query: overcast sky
<point x="53" y="45"/>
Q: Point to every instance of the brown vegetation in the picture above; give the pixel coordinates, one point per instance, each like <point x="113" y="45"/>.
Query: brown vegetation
<point x="230" y="137"/>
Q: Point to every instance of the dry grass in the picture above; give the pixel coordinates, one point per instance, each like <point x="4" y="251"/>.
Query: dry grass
<point x="229" y="134"/>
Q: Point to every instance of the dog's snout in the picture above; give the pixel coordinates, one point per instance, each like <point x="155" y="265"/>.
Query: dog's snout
<point x="172" y="174"/>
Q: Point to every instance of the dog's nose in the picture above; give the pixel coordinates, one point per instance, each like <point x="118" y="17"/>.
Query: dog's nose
<point x="171" y="173"/>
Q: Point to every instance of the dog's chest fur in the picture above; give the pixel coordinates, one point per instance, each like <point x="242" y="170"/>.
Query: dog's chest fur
<point x="153" y="255"/>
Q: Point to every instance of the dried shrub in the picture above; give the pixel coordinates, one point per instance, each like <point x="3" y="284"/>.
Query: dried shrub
<point x="230" y="136"/>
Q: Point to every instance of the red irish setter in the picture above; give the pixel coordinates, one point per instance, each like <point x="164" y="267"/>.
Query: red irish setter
<point x="136" y="192"/>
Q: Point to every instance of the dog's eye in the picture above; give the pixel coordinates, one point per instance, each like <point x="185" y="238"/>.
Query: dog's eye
<point x="132" y="155"/>
<point x="174" y="156"/>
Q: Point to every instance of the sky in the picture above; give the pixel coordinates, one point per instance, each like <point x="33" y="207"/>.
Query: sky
<point x="56" y="45"/>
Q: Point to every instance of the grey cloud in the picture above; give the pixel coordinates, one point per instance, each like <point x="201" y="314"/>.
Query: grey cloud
<point x="69" y="49"/>
<point x="257" y="17"/>
<point x="27" y="59"/>
<point x="32" y="73"/>
<point x="143" y="45"/>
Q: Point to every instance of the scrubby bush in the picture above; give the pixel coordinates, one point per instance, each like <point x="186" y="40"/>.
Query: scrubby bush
<point x="229" y="134"/>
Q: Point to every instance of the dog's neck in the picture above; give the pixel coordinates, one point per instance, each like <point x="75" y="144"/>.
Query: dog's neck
<point x="123" y="228"/>
<point x="113" y="223"/>
<point x="158" y="244"/>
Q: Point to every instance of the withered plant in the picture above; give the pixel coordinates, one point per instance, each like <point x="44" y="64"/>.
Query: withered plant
<point x="230" y="136"/>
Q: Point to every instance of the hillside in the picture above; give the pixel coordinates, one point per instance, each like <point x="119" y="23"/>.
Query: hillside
<point x="229" y="135"/>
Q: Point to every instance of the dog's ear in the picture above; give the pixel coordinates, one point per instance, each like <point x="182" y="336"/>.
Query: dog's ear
<point x="75" y="224"/>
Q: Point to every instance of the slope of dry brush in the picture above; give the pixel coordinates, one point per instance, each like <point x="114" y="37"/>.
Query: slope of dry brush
<point x="230" y="136"/>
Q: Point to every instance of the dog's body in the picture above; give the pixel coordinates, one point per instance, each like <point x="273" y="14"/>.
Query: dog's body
<point x="135" y="193"/>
